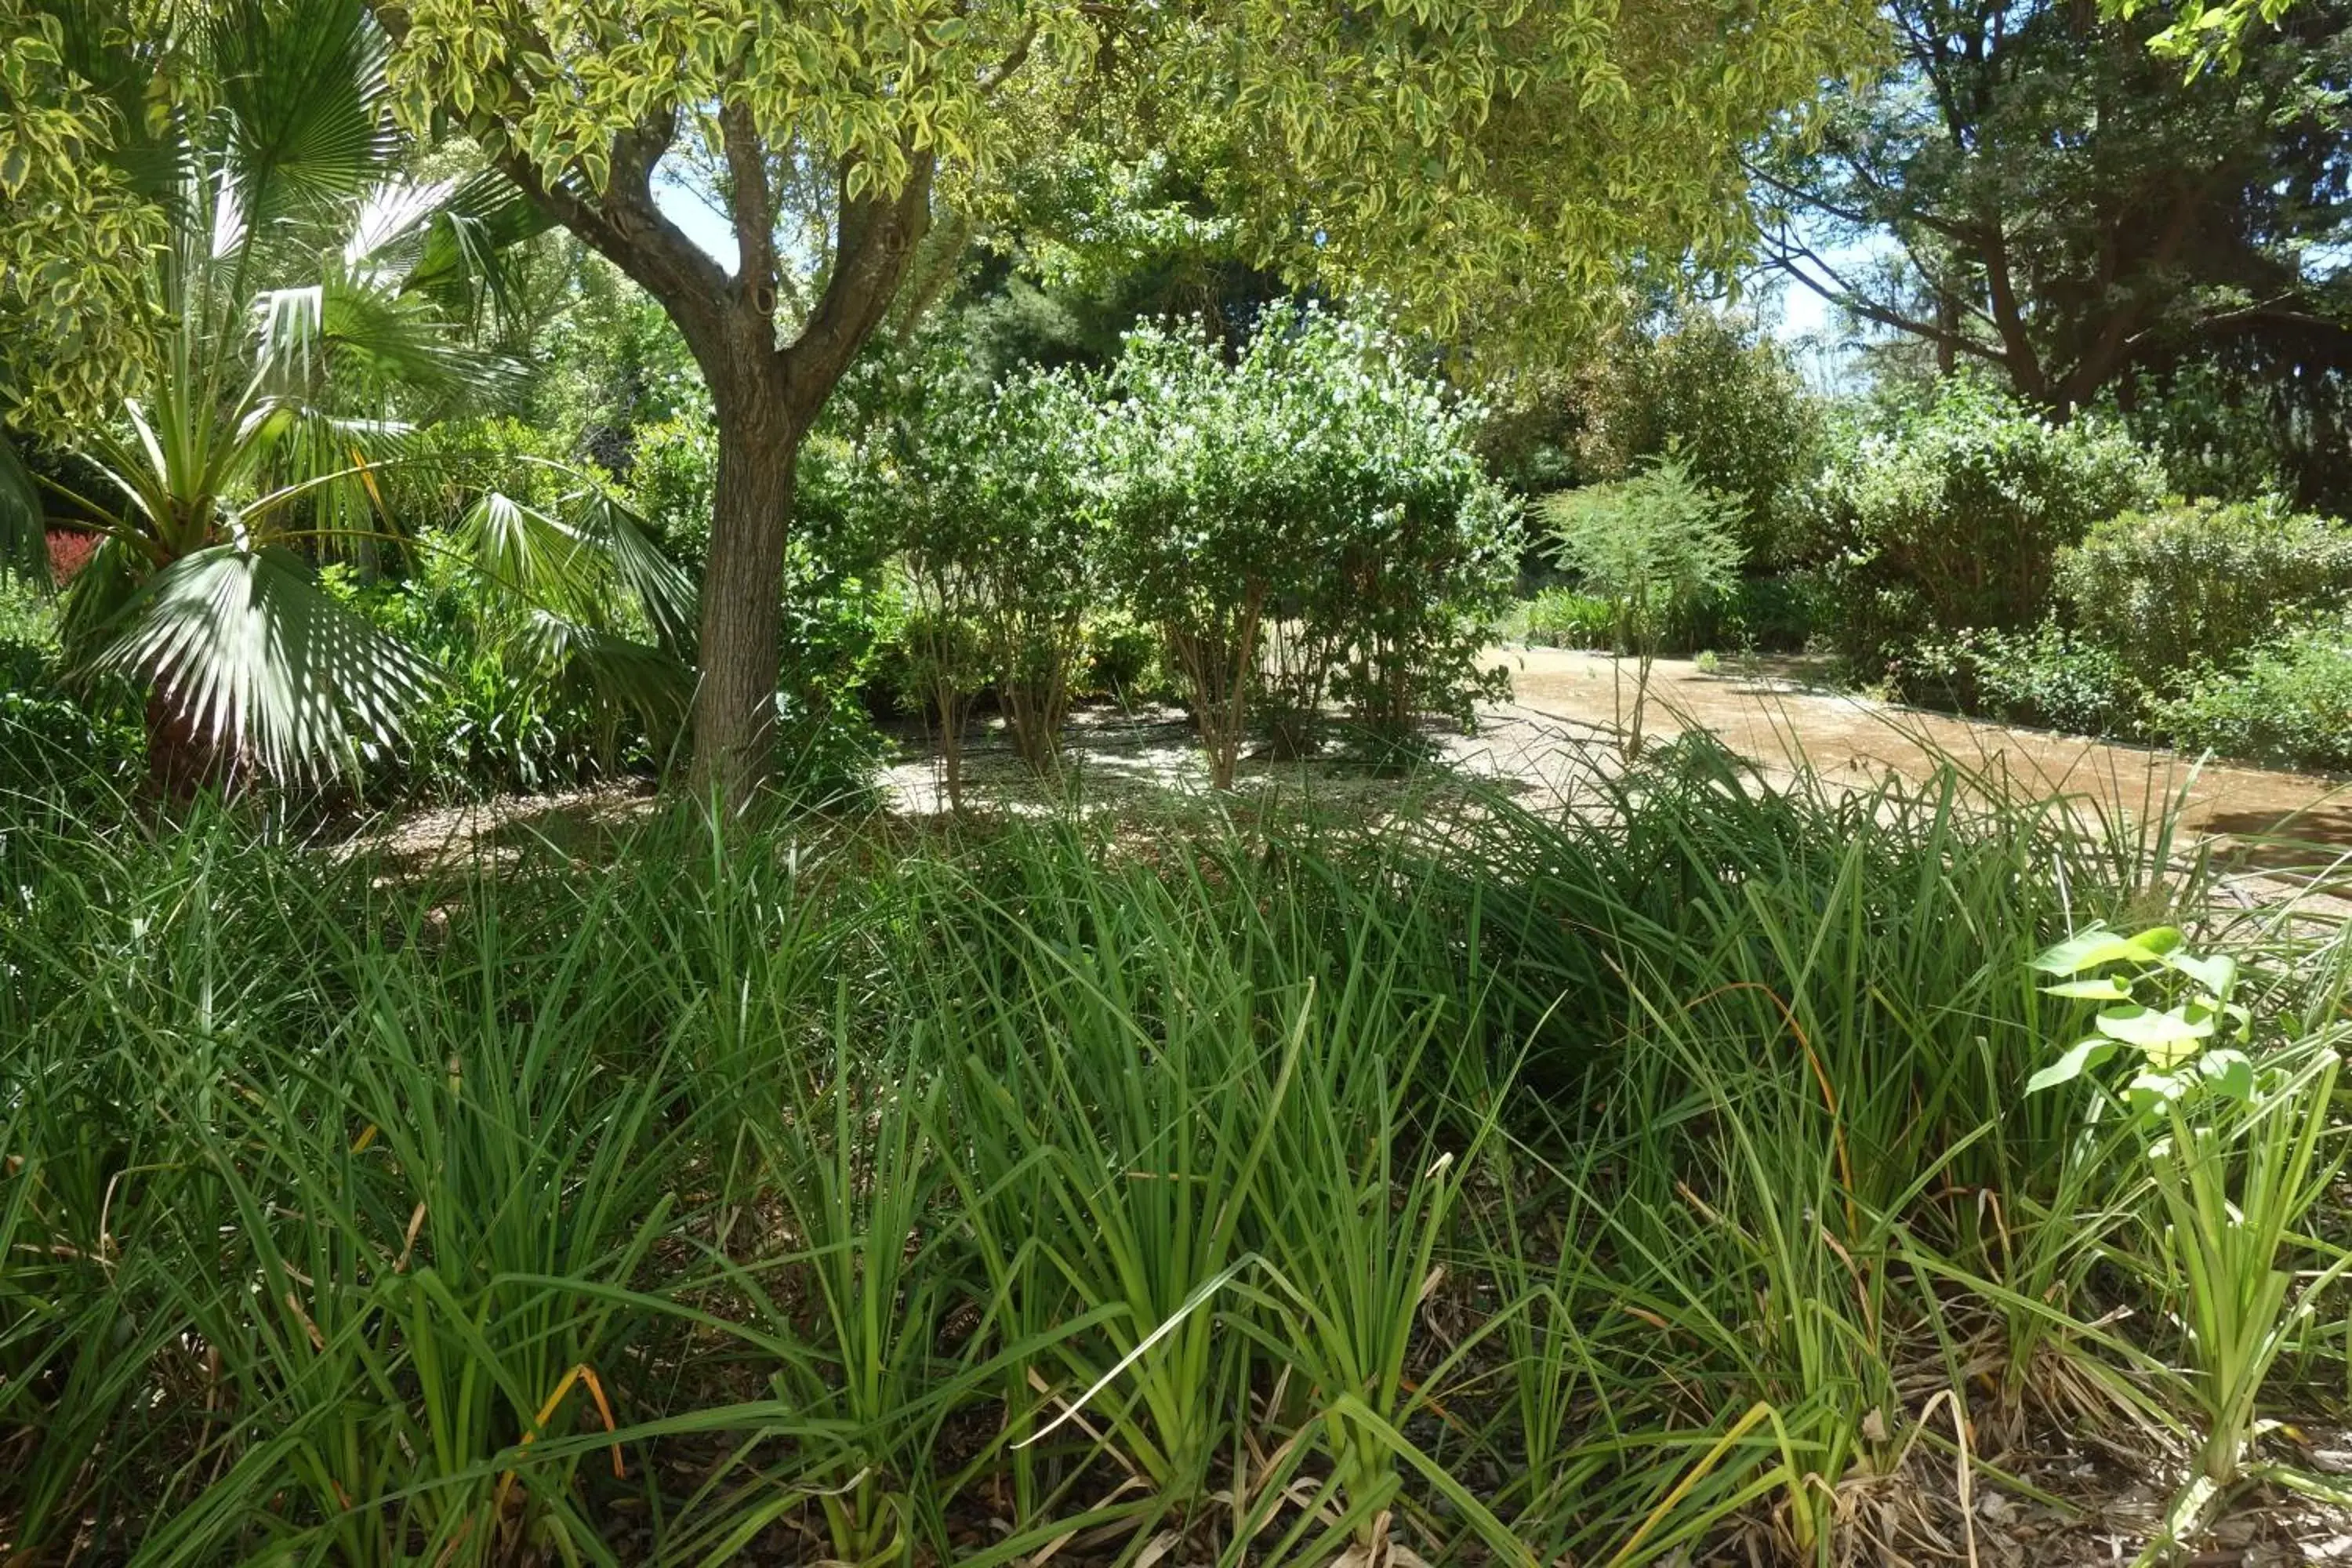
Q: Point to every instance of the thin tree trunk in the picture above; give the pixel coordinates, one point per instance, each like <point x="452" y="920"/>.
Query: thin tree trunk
<point x="950" y="705"/>
<point x="1218" y="671"/>
<point x="742" y="599"/>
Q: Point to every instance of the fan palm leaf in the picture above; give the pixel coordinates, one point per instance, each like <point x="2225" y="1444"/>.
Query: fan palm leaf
<point x="661" y="588"/>
<point x="577" y="580"/>
<point x="318" y="302"/>
<point x="244" y="647"/>
<point x="614" y="671"/>
<point x="302" y="89"/>
<point x="449" y="241"/>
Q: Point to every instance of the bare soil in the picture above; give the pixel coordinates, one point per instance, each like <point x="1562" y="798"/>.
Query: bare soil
<point x="1560" y="727"/>
<point x="1768" y="712"/>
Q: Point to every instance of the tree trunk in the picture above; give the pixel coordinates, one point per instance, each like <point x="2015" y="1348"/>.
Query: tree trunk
<point x="766" y="394"/>
<point x="183" y="758"/>
<point x="742" y="595"/>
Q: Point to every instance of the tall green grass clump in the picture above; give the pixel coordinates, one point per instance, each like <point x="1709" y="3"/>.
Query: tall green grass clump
<point x="1487" y="1184"/>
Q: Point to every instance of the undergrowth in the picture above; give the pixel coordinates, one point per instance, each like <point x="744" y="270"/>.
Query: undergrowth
<point x="1515" y="1185"/>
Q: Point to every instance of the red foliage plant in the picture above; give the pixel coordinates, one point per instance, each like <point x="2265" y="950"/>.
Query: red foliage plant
<point x="69" y="551"/>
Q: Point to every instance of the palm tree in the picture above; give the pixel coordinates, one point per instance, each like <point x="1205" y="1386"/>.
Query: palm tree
<point x="315" y="301"/>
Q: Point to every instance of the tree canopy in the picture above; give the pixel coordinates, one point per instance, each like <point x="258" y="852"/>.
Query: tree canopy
<point x="2054" y="199"/>
<point x="1460" y="156"/>
<point x="1500" y="168"/>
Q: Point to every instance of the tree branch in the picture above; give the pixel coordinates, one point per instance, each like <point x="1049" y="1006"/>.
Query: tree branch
<point x="1794" y="258"/>
<point x="2116" y="339"/>
<point x="1012" y="60"/>
<point x="752" y="207"/>
<point x="2025" y="370"/>
<point x="875" y="240"/>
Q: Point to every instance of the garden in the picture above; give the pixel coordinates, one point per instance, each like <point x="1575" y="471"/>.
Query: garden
<point x="499" y="1067"/>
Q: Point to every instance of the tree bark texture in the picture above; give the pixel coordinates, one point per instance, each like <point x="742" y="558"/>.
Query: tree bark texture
<point x="742" y="599"/>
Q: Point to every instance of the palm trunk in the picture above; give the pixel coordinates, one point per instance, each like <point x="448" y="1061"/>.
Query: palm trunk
<point x="182" y="757"/>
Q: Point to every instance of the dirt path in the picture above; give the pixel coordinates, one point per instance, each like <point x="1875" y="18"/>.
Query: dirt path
<point x="1559" y="727"/>
<point x="1563" y="702"/>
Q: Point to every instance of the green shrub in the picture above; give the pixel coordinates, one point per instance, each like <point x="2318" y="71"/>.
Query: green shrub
<point x="1037" y="555"/>
<point x="1210" y="529"/>
<point x="1759" y="614"/>
<point x="1950" y="516"/>
<point x="1565" y="618"/>
<point x="1122" y="659"/>
<point x="2216" y="440"/>
<point x="1655" y="548"/>
<point x="1417" y="545"/>
<point x="2288" y="703"/>
<point x="91" y="746"/>
<point x="497" y="723"/>
<point x="2202" y="580"/>
<point x="673" y="469"/>
<point x="1310" y="521"/>
<point x="450" y="463"/>
<point x="1724" y="397"/>
<point x="2047" y="677"/>
<point x="983" y="494"/>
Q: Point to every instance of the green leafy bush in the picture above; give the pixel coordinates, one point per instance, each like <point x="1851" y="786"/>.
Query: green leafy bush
<point x="1724" y="397"/>
<point x="91" y="746"/>
<point x="1310" y="520"/>
<point x="1565" y="618"/>
<point x="450" y="463"/>
<point x="1039" y="559"/>
<point x="495" y="723"/>
<point x="1758" y="615"/>
<point x="1951" y="516"/>
<point x="2047" y="677"/>
<point x="1651" y="547"/>
<point x="2203" y="580"/>
<point x="2216" y="440"/>
<point x="1417" y="547"/>
<point x="985" y="496"/>
<point x="1122" y="659"/>
<point x="1213" y="523"/>
<point x="2289" y="703"/>
<point x="673" y="469"/>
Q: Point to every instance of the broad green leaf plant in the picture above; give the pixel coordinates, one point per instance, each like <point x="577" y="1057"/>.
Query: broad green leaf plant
<point x="2233" y="1136"/>
<point x="76" y="235"/>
